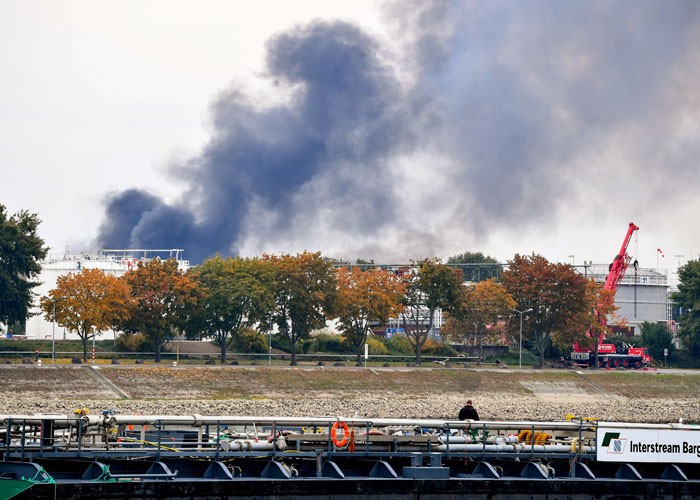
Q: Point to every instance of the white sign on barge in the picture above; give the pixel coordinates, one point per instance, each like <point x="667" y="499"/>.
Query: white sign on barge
<point x="671" y="443"/>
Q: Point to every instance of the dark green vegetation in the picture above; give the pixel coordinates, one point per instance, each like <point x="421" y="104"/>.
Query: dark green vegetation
<point x="688" y="301"/>
<point x="21" y="251"/>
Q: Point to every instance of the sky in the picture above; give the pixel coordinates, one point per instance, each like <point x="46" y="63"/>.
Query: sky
<point x="390" y="131"/>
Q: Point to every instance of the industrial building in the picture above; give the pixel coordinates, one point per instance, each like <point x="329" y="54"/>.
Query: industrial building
<point x="643" y="295"/>
<point x="115" y="262"/>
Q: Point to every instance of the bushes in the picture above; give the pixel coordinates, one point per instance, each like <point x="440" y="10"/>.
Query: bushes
<point x="399" y="345"/>
<point x="377" y="347"/>
<point x="250" y="341"/>
<point x="433" y="348"/>
<point x="328" y="343"/>
<point x="133" y="342"/>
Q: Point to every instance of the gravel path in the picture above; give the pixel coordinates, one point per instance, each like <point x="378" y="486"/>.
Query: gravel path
<point x="491" y="407"/>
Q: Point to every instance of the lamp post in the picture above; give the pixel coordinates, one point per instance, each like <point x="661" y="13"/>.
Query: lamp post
<point x="520" y="350"/>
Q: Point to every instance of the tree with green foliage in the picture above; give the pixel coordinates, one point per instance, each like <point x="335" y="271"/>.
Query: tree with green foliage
<point x="162" y="296"/>
<point x="434" y="286"/>
<point x="476" y="266"/>
<point x="87" y="303"/>
<point x="304" y="290"/>
<point x="21" y="253"/>
<point x="365" y="298"/>
<point x="555" y="292"/>
<point x="656" y="337"/>
<point x="238" y="294"/>
<point x="688" y="300"/>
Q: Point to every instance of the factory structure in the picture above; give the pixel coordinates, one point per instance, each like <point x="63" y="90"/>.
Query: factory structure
<point x="643" y="295"/>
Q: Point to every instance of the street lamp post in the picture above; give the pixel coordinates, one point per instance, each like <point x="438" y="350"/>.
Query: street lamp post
<point x="520" y="350"/>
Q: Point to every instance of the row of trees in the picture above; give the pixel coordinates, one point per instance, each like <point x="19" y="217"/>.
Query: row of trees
<point x="294" y="295"/>
<point x="297" y="294"/>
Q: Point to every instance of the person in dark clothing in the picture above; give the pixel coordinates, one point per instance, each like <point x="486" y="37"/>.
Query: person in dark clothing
<point x="468" y="412"/>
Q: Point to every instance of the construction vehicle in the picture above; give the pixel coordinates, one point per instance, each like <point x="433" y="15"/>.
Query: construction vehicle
<point x="608" y="354"/>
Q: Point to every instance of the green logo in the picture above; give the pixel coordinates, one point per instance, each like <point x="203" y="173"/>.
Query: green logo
<point x="609" y="436"/>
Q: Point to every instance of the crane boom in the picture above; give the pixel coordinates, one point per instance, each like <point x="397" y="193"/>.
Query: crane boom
<point x="620" y="263"/>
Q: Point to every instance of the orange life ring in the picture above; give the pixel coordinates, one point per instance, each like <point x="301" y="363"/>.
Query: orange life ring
<point x="346" y="434"/>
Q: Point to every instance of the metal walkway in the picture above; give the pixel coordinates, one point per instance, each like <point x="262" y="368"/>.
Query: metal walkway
<point x="168" y="456"/>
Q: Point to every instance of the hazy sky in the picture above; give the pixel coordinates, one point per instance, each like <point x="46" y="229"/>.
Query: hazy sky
<point x="386" y="131"/>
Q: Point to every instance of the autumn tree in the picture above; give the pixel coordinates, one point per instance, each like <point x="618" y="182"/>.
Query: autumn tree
<point x="599" y="310"/>
<point x="366" y="297"/>
<point x="238" y="293"/>
<point x="482" y="305"/>
<point x="162" y="296"/>
<point x="688" y="300"/>
<point x="304" y="289"/>
<point x="21" y="253"/>
<point x="434" y="286"/>
<point x="88" y="303"/>
<point x="555" y="292"/>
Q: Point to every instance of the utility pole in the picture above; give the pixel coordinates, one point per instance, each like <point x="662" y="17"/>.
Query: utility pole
<point x="520" y="350"/>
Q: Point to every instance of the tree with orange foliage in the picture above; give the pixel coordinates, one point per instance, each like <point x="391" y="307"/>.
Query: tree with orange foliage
<point x="555" y="292"/>
<point x="304" y="289"/>
<point x="162" y="296"/>
<point x="365" y="297"/>
<point x="88" y="303"/>
<point x="482" y="304"/>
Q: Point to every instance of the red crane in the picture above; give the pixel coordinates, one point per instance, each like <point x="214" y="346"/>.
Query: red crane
<point x="634" y="357"/>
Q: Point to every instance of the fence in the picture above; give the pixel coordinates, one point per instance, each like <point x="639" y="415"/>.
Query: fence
<point x="232" y="358"/>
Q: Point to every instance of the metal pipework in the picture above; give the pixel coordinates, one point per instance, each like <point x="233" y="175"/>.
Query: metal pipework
<point x="198" y="420"/>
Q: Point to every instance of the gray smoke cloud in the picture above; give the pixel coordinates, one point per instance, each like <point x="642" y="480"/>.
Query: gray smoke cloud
<point x="341" y="118"/>
<point x="478" y="117"/>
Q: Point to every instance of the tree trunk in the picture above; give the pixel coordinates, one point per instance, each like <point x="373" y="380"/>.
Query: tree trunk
<point x="159" y="345"/>
<point x="419" y="349"/>
<point x="293" y="345"/>
<point x="85" y="347"/>
<point x="540" y="342"/>
<point x="595" y="354"/>
<point x="223" y="352"/>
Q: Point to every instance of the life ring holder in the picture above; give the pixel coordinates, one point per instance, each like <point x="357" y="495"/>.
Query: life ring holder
<point x="339" y="443"/>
